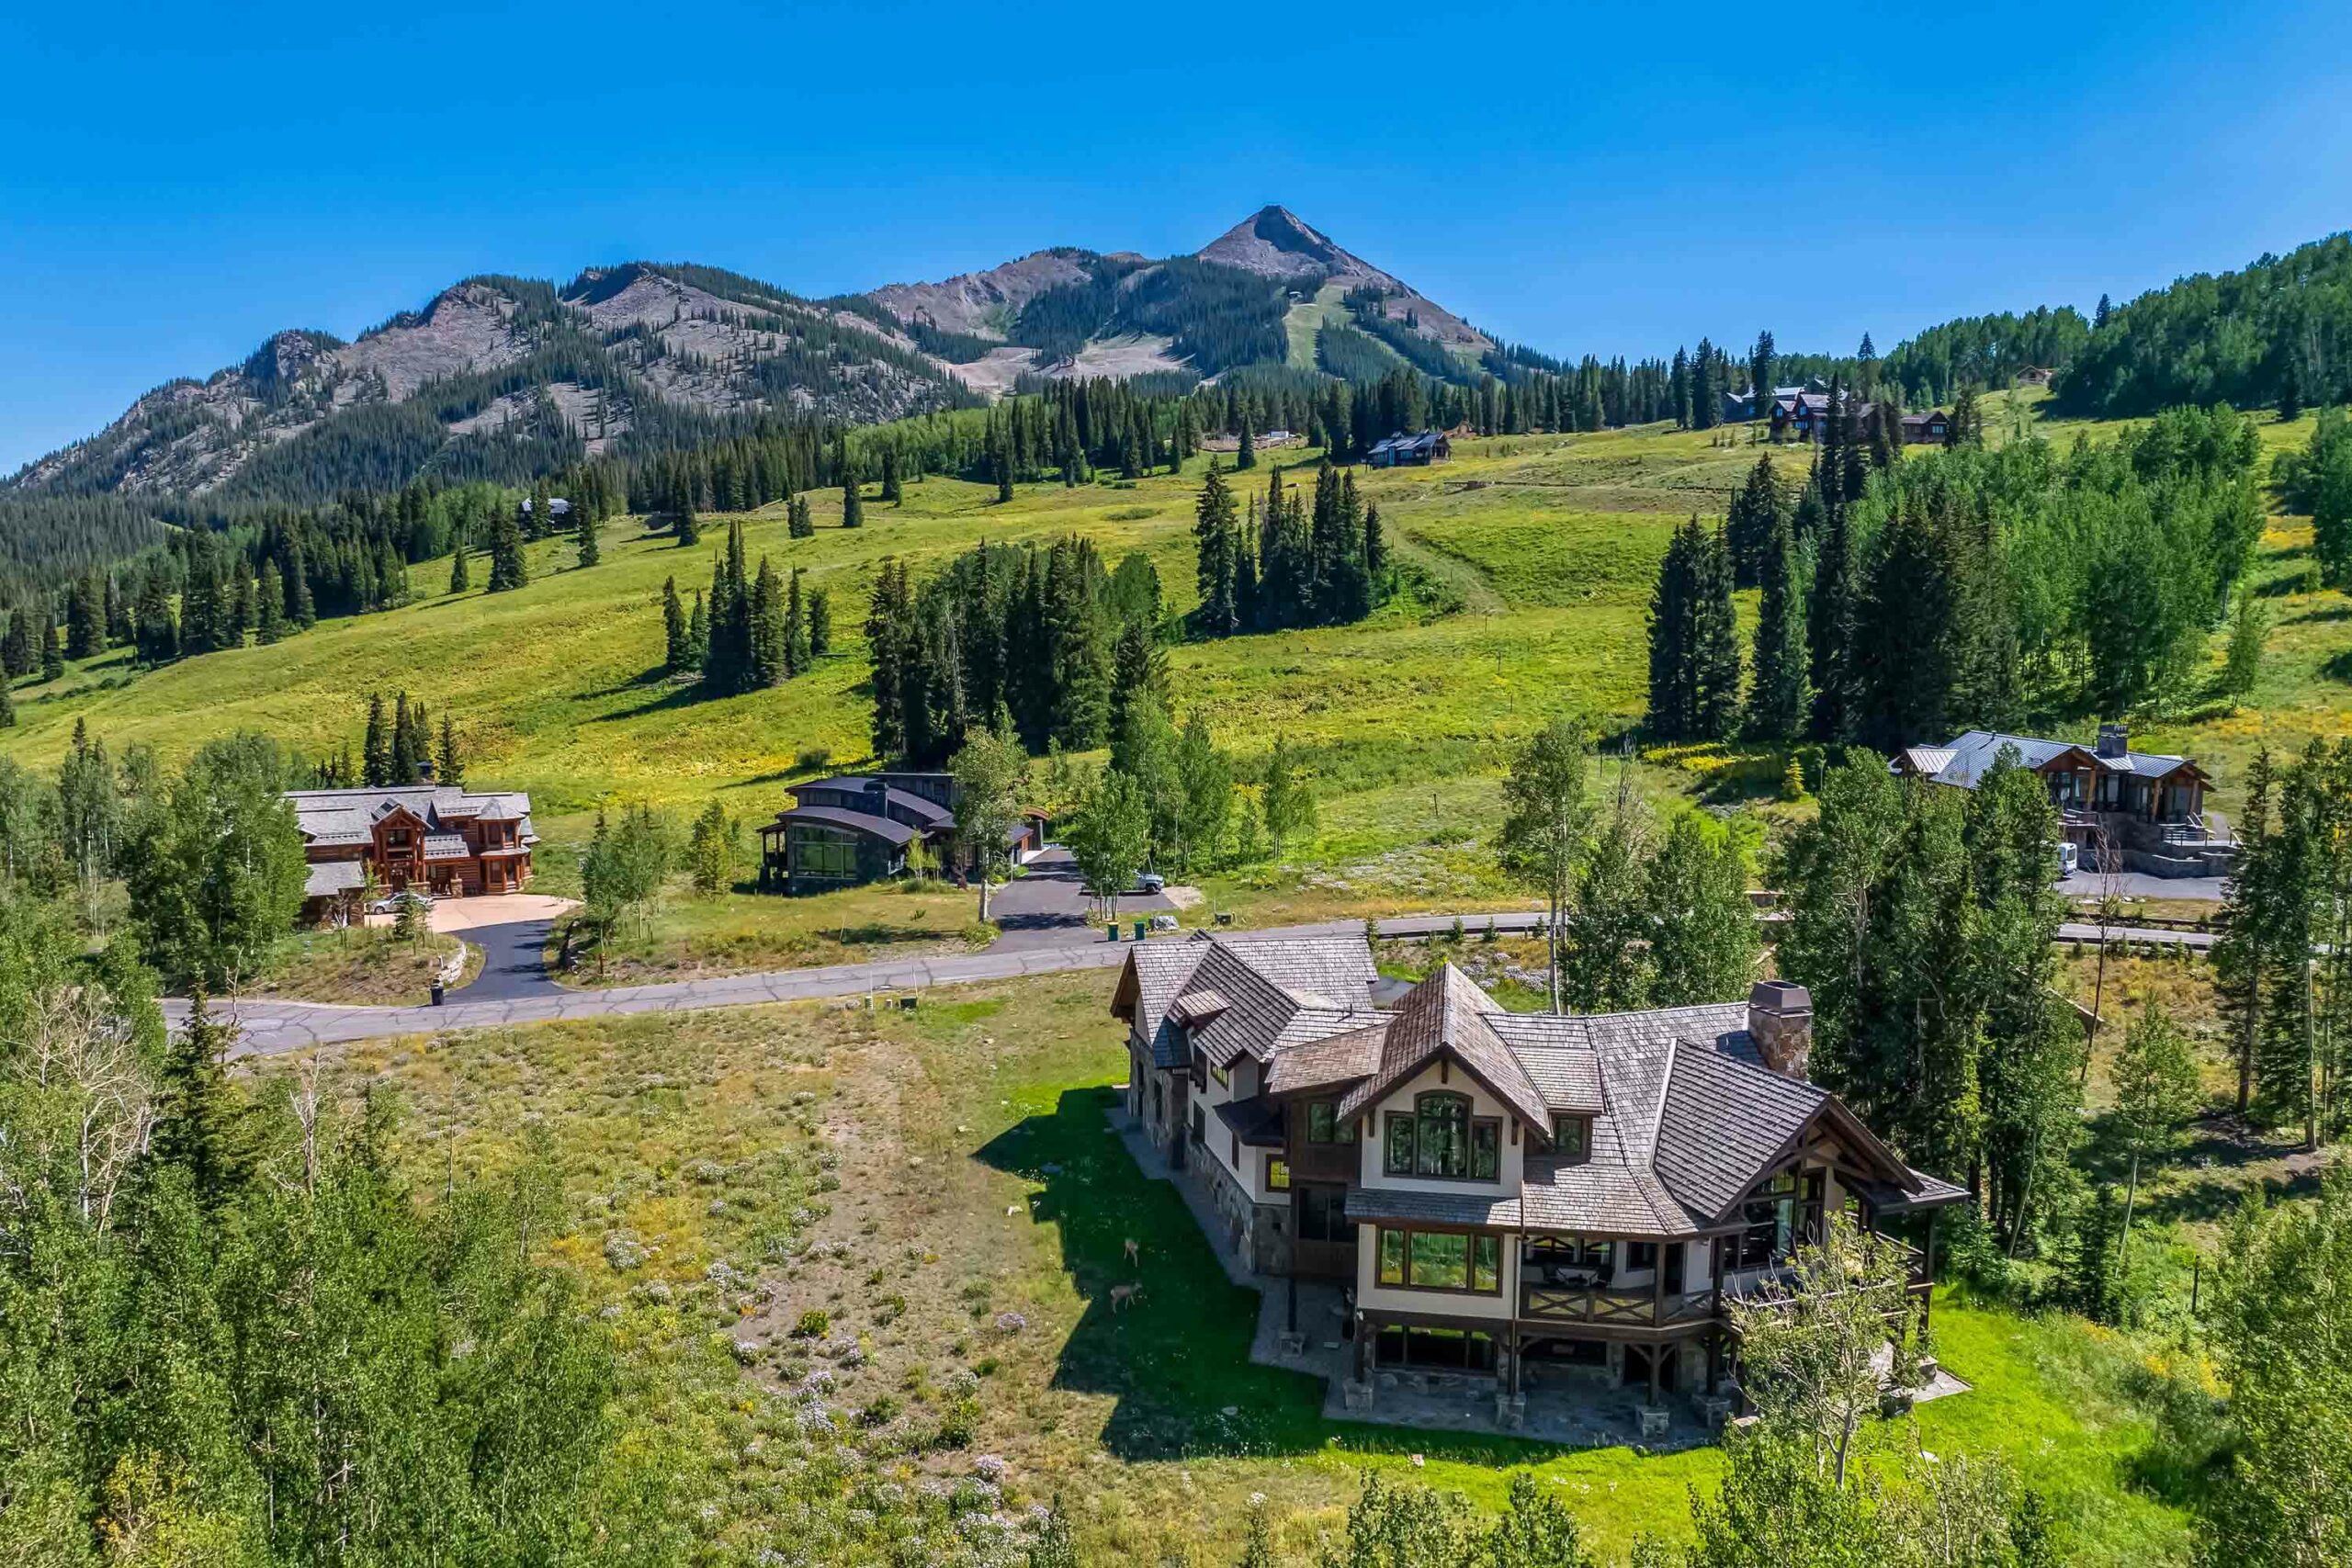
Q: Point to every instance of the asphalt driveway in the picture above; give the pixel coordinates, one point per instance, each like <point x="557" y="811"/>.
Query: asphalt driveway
<point x="512" y="931"/>
<point x="1047" y="906"/>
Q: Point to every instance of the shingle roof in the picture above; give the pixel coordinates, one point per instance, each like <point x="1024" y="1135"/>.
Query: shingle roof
<point x="445" y="846"/>
<point x="1397" y="1204"/>
<point x="349" y="816"/>
<point x="1328" y="1063"/>
<point x="1275" y="994"/>
<point x="1447" y="1013"/>
<point x="1257" y="1121"/>
<point x="328" y="877"/>
<point x="1194" y="1008"/>
<point x="1154" y="974"/>
<point x="1723" y="1122"/>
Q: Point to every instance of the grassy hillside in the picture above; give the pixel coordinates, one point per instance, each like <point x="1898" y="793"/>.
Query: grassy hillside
<point x="912" y="1176"/>
<point x="1539" y="552"/>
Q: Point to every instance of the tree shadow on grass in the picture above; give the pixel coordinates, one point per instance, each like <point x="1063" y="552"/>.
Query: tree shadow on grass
<point x="1177" y="1360"/>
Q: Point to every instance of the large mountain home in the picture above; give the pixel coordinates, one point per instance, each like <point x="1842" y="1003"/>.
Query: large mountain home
<point x="1507" y="1196"/>
<point x="2146" y="808"/>
<point x="842" y="831"/>
<point x="438" y="839"/>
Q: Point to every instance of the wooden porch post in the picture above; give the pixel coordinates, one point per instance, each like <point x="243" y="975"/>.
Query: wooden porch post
<point x="1655" y="1360"/>
<point x="1514" y="1359"/>
<point x="1714" y="1360"/>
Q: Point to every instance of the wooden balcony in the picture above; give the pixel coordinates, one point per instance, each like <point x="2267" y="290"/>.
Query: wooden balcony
<point x="1604" y="1308"/>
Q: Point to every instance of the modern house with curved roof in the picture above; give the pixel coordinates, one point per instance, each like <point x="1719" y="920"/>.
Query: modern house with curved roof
<point x="1502" y="1195"/>
<point x="854" y="828"/>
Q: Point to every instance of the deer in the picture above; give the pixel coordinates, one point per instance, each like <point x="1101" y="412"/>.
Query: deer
<point x="1124" y="1296"/>
<point x="1135" y="1254"/>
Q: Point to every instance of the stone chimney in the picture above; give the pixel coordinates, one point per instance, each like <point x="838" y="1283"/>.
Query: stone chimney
<point x="2114" y="740"/>
<point x="1779" y="1020"/>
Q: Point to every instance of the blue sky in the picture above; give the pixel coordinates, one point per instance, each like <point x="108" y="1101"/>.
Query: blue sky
<point x="177" y="183"/>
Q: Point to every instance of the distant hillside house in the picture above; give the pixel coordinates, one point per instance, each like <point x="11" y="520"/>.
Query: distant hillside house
<point x="855" y="829"/>
<point x="2034" y="376"/>
<point x="1516" y="1201"/>
<point x="1931" y="429"/>
<point x="450" y="843"/>
<point x="1400" y="451"/>
<point x="1741" y="404"/>
<point x="558" y="510"/>
<point x="2148" y="808"/>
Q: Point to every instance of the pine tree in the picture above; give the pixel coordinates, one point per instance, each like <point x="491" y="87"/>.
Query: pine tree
<point x="52" y="649"/>
<point x="1757" y="506"/>
<point x="853" y="504"/>
<point x="1777" y="706"/>
<point x="676" y="655"/>
<point x="407" y="749"/>
<point x="376" y="750"/>
<point x="301" y="608"/>
<point x="85" y="626"/>
<point x="1246" y="457"/>
<point x="1216" y="544"/>
<point x="1138" y="669"/>
<point x="584" y="525"/>
<point x="7" y="705"/>
<point x="203" y="1125"/>
<point x="1375" y="548"/>
<point x="1830" y="625"/>
<point x="698" y="634"/>
<point x="1673" y="707"/>
<point x="447" y="762"/>
<point x="768" y="660"/>
<point x="821" y="624"/>
<point x="461" y="580"/>
<point x="796" y="626"/>
<point x="798" y="522"/>
<point x="687" y="528"/>
<point x="1714" y="647"/>
<point x="269" y="609"/>
<point x="508" y="569"/>
<point x="891" y="495"/>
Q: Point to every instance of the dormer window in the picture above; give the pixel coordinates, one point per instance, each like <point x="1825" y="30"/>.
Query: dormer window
<point x="1572" y="1138"/>
<point x="1439" y="1137"/>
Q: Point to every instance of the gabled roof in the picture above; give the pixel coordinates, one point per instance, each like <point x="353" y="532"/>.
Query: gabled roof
<point x="1970" y="756"/>
<point x="1446" y="1016"/>
<point x="1335" y="1061"/>
<point x="331" y="816"/>
<point x="1268" y="995"/>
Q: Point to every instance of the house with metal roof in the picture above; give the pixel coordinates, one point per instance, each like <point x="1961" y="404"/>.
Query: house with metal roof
<point x="1502" y="1196"/>
<point x="854" y="828"/>
<point x="1415" y="451"/>
<point x="438" y="839"/>
<point x="2143" y="809"/>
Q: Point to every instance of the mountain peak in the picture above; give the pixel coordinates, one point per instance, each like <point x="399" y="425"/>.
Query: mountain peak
<point x="1274" y="241"/>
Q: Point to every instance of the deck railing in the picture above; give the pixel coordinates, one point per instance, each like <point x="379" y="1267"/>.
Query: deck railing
<point x="1616" y="1309"/>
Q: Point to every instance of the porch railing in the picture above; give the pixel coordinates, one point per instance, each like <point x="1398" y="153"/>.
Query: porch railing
<point x="1621" y="1309"/>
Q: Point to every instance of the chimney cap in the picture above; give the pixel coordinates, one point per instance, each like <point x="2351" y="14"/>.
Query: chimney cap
<point x="2114" y="739"/>
<point x="1779" y="996"/>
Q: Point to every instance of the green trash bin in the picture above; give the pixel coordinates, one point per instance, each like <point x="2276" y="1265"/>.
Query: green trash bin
<point x="1142" y="929"/>
<point x="1114" y="930"/>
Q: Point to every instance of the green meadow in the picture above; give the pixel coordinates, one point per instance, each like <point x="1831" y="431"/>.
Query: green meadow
<point x="1532" y="559"/>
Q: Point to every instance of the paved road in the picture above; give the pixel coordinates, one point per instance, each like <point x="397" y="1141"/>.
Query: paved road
<point x="272" y="1028"/>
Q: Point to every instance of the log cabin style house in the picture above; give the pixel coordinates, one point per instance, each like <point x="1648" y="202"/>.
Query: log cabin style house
<point x="1505" y="1195"/>
<point x="450" y="843"/>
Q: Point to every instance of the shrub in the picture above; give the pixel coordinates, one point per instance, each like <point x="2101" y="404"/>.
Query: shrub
<point x="815" y="1324"/>
<point x="881" y="1413"/>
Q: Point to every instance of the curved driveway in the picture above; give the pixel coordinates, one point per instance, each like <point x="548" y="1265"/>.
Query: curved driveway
<point x="270" y="1028"/>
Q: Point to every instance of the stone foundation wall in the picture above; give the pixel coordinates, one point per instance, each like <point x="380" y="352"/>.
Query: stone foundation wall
<point x="1259" y="1233"/>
